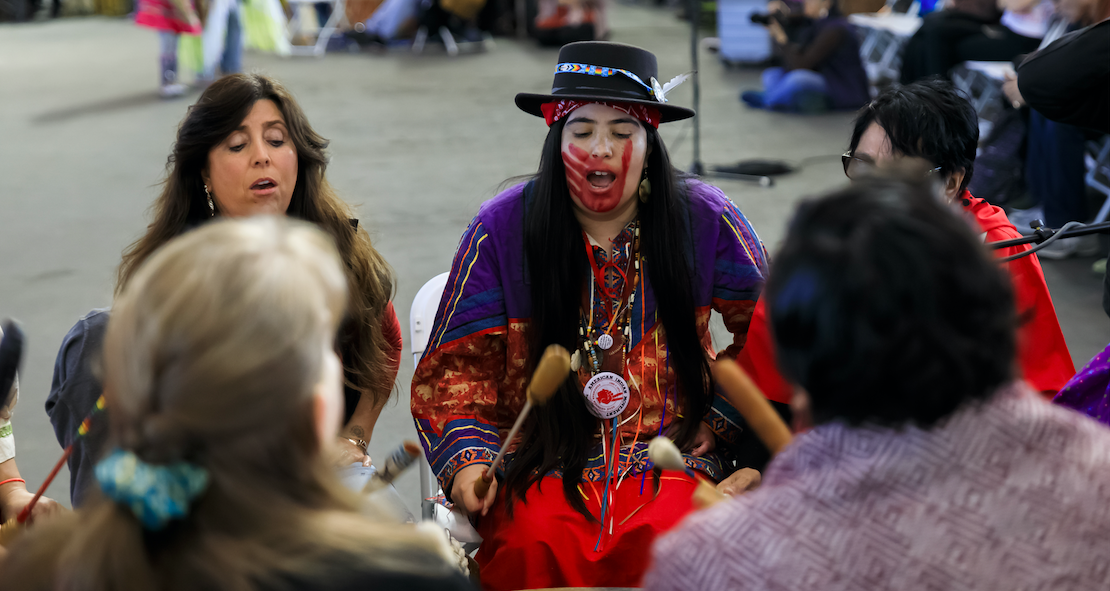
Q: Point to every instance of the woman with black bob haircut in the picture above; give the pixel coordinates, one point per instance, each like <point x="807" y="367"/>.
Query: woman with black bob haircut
<point x="932" y="123"/>
<point x="885" y="308"/>
<point x="928" y="119"/>
<point x="612" y="254"/>
<point x="930" y="464"/>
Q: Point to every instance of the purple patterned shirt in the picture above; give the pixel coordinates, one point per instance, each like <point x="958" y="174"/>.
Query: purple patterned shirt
<point x="1010" y="494"/>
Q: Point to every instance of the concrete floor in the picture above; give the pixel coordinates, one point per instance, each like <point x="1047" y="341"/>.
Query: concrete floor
<point x="417" y="144"/>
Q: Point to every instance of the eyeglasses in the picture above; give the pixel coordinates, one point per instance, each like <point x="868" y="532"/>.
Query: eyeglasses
<point x="857" y="168"/>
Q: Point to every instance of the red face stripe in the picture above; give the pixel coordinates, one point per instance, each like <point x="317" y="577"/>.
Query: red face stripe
<point x="579" y="163"/>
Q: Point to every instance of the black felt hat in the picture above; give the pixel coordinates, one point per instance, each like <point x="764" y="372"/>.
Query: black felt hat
<point x="602" y="71"/>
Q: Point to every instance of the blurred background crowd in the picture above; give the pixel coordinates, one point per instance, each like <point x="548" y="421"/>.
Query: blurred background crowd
<point x="814" y="55"/>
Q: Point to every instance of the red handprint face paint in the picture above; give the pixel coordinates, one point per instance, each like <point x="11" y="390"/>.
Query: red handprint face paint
<point x="598" y="185"/>
<point x="603" y="151"/>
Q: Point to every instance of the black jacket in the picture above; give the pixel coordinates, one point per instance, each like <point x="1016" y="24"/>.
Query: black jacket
<point x="73" y="394"/>
<point x="1069" y="81"/>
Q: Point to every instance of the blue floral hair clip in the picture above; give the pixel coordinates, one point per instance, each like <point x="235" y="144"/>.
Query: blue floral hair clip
<point x="155" y="493"/>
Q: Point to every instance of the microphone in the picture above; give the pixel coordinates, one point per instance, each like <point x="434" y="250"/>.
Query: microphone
<point x="1045" y="236"/>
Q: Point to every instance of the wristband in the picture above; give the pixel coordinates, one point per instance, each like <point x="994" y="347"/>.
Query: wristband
<point x="3" y="482"/>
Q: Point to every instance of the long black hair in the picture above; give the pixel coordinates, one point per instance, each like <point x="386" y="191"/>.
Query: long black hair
<point x="561" y="433"/>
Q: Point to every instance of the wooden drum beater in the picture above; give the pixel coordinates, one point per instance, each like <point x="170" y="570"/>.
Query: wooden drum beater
<point x="549" y="375"/>
<point x="746" y="398"/>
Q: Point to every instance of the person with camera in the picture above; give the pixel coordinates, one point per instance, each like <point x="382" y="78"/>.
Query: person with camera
<point x="820" y="71"/>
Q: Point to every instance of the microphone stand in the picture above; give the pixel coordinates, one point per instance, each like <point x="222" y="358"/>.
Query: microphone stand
<point x="697" y="167"/>
<point x="694" y="12"/>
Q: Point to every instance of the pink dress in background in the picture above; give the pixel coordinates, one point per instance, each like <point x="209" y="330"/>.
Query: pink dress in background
<point x="161" y="15"/>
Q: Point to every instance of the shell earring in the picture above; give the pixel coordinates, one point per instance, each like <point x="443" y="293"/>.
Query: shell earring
<point x="645" y="188"/>
<point x="211" y="206"/>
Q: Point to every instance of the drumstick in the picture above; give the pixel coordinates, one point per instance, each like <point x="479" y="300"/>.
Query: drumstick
<point x="706" y="495"/>
<point x="26" y="512"/>
<point x="82" y="430"/>
<point x="664" y="454"/>
<point x="547" y="378"/>
<point x="751" y="404"/>
<point x="746" y="398"/>
<point x="402" y="457"/>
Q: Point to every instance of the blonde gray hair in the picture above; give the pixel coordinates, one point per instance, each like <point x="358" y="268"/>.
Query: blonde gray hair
<point x="211" y="356"/>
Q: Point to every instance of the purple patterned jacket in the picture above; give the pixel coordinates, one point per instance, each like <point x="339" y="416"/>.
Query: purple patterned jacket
<point x="470" y="385"/>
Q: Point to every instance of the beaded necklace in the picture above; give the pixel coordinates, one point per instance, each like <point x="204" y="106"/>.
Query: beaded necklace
<point x="607" y="392"/>
<point x="595" y="345"/>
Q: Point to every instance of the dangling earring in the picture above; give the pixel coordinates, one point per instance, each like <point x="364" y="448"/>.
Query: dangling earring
<point x="211" y="206"/>
<point x="645" y="188"/>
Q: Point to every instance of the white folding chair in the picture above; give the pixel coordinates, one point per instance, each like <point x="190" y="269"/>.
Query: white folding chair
<point x="421" y="318"/>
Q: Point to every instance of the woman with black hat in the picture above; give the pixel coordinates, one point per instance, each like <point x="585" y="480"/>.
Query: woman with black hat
<point x="612" y="254"/>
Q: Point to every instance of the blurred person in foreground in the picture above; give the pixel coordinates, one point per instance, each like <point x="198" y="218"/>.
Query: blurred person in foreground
<point x="821" y="71"/>
<point x="931" y="121"/>
<point x="930" y="466"/>
<point x="14" y="495"/>
<point x="225" y="394"/>
<point x="246" y="148"/>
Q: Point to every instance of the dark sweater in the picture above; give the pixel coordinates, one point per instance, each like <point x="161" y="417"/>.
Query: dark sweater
<point x="1069" y="81"/>
<point x="75" y="388"/>
<point x="73" y="393"/>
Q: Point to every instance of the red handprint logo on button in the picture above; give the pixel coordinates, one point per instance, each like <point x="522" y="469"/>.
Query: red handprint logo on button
<point x="606" y="396"/>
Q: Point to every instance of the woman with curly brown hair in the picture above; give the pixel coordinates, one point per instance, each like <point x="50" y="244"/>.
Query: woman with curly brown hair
<point x="247" y="148"/>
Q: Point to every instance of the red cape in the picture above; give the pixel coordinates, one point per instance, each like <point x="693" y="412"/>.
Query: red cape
<point x="1043" y="356"/>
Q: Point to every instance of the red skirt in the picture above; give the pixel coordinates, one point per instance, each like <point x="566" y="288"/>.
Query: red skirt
<point x="547" y="543"/>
